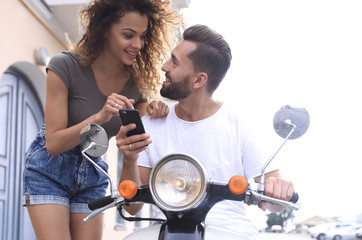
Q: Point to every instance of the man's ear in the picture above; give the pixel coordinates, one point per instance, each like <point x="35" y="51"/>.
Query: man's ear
<point x="201" y="80"/>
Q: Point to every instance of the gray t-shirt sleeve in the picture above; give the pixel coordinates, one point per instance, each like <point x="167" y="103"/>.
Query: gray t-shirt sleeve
<point x="63" y="66"/>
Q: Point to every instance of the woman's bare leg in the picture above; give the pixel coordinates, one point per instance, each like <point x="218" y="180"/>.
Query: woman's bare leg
<point x="50" y="221"/>
<point x="91" y="230"/>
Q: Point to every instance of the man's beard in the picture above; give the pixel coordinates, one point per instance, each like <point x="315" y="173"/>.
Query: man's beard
<point x="176" y="90"/>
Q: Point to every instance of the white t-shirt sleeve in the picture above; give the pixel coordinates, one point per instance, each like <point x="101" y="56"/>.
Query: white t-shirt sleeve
<point x="144" y="160"/>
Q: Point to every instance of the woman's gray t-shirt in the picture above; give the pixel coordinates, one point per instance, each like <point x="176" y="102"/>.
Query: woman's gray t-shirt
<point x="84" y="96"/>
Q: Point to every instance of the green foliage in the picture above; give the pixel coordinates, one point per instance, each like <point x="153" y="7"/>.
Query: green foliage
<point x="274" y="219"/>
<point x="279" y="218"/>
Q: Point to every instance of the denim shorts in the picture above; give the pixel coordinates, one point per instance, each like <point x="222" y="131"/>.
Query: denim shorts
<point x="68" y="179"/>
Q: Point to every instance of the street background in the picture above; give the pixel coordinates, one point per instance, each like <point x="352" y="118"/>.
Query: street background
<point x="283" y="236"/>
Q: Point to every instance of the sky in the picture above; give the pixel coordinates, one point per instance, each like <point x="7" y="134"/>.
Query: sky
<point x="304" y="54"/>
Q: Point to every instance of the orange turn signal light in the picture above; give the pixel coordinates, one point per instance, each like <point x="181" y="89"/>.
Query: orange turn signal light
<point x="238" y="184"/>
<point x="127" y="189"/>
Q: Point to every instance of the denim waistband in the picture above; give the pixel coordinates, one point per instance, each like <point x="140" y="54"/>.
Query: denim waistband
<point x="40" y="139"/>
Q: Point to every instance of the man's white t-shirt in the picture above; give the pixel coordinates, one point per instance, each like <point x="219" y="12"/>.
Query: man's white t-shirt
<point x="222" y="143"/>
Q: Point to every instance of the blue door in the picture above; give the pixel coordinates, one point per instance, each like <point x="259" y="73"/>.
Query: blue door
<point x="21" y="117"/>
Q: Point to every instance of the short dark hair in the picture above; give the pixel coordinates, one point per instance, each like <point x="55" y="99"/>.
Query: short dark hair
<point x="212" y="54"/>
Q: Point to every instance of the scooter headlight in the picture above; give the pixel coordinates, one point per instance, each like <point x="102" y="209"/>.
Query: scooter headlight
<point x="178" y="182"/>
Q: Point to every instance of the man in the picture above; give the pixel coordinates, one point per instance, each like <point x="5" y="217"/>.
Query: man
<point x="202" y="127"/>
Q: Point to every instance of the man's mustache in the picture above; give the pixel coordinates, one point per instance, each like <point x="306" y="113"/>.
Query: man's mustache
<point x="167" y="76"/>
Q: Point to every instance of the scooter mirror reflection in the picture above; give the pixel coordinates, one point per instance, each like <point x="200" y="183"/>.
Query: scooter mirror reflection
<point x="95" y="135"/>
<point x="287" y="117"/>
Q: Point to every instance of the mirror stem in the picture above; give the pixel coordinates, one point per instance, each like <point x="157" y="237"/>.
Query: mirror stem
<point x="262" y="179"/>
<point x="114" y="192"/>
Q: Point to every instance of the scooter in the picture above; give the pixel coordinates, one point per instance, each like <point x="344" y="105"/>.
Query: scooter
<point x="180" y="187"/>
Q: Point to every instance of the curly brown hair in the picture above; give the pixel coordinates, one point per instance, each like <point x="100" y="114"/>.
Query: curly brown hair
<point x="163" y="22"/>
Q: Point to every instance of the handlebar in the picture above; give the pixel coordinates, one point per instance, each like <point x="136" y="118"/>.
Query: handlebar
<point x="254" y="198"/>
<point x="114" y="203"/>
<point x="101" y="202"/>
<point x="294" y="198"/>
<point x="251" y="197"/>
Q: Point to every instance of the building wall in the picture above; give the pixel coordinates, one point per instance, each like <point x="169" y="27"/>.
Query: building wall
<point x="21" y="32"/>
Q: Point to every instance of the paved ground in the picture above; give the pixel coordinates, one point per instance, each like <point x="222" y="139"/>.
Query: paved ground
<point x="284" y="236"/>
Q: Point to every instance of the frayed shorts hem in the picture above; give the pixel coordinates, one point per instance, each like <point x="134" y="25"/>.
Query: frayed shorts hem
<point x="50" y="199"/>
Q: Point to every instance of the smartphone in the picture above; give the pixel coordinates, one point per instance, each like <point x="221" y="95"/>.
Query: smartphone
<point x="132" y="116"/>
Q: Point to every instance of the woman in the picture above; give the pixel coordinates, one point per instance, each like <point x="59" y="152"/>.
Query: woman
<point x="114" y="66"/>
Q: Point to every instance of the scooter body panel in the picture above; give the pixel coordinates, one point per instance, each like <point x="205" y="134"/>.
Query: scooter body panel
<point x="218" y="233"/>
<point x="211" y="233"/>
<point x="150" y="232"/>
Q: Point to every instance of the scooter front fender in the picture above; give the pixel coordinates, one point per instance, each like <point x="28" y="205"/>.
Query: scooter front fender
<point x="211" y="233"/>
<point x="217" y="233"/>
<point x="150" y="232"/>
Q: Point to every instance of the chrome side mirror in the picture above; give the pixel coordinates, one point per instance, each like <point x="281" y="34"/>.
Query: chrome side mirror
<point x="288" y="118"/>
<point x="289" y="123"/>
<point x="93" y="140"/>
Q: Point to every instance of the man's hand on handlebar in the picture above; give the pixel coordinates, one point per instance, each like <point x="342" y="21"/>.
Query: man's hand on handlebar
<point x="276" y="187"/>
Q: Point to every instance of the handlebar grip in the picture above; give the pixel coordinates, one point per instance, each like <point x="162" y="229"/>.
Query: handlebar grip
<point x="100" y="202"/>
<point x="294" y="198"/>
